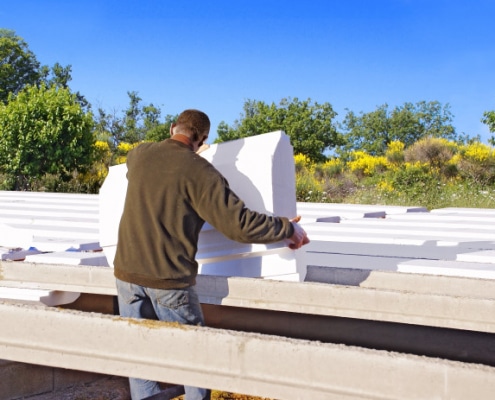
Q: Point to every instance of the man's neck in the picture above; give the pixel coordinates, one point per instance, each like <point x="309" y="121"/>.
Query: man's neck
<point x="183" y="139"/>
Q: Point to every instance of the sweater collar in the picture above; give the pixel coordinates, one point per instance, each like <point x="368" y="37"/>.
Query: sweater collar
<point x="183" y="139"/>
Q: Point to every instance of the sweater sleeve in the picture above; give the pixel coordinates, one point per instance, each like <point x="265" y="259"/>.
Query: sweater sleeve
<point x="225" y="211"/>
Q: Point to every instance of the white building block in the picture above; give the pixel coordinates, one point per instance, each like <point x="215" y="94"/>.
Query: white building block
<point x="486" y="257"/>
<point x="36" y="219"/>
<point x="260" y="169"/>
<point x="470" y="212"/>
<point x="15" y="237"/>
<point x="112" y="198"/>
<point x="23" y="294"/>
<point x="335" y="212"/>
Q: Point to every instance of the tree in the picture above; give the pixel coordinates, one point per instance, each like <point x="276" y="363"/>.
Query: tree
<point x="489" y="120"/>
<point x="132" y="131"/>
<point x="137" y="124"/>
<point x="308" y="125"/>
<point x="372" y="132"/>
<point x="18" y="65"/>
<point x="154" y="130"/>
<point x="108" y="128"/>
<point x="43" y="131"/>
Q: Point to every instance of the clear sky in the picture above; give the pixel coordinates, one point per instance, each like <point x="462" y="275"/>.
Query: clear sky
<point x="214" y="55"/>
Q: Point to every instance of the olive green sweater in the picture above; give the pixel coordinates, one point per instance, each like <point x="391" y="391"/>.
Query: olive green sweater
<point x="171" y="192"/>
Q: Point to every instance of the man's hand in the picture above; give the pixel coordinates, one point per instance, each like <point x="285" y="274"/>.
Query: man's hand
<point x="299" y="238"/>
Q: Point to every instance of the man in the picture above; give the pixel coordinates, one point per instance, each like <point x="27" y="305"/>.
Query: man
<point x="171" y="192"/>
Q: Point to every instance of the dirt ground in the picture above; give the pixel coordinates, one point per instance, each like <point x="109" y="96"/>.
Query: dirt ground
<point x="116" y="388"/>
<point x="111" y="388"/>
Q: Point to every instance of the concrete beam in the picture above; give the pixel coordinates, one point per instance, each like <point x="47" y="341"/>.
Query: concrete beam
<point x="385" y="304"/>
<point x="255" y="364"/>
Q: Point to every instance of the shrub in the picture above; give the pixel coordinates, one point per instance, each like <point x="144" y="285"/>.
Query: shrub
<point x="364" y="164"/>
<point x="122" y="150"/>
<point x="432" y="151"/>
<point x="477" y="163"/>
<point x="340" y="188"/>
<point x="302" y="163"/>
<point x="395" y="153"/>
<point x="329" y="169"/>
<point x="309" y="189"/>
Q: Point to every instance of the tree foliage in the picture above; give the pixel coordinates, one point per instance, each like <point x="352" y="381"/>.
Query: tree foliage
<point x="489" y="120"/>
<point x="374" y="131"/>
<point x="137" y="123"/>
<point x="43" y="131"/>
<point x="309" y="126"/>
<point x="18" y="65"/>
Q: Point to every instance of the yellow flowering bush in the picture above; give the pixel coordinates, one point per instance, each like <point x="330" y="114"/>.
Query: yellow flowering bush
<point x="395" y="153"/>
<point x="330" y="168"/>
<point x="334" y="165"/>
<point x="366" y="164"/>
<point x="309" y="188"/>
<point x="385" y="186"/>
<point x="477" y="152"/>
<point x="302" y="162"/>
<point x="433" y="151"/>
<point x="102" y="146"/>
<point x="123" y="149"/>
<point x="477" y="163"/>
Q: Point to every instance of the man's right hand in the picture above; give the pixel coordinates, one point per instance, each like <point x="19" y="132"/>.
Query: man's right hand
<point x="299" y="238"/>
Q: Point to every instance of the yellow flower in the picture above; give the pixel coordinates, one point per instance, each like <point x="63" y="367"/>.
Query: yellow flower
<point x="477" y="152"/>
<point x="366" y="164"/>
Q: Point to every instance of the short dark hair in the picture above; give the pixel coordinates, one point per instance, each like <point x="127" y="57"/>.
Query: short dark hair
<point x="195" y="122"/>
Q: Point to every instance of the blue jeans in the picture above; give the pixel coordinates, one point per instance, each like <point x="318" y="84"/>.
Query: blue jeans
<point x="178" y="305"/>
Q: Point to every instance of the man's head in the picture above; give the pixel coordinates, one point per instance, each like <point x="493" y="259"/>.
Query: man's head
<point x="194" y="124"/>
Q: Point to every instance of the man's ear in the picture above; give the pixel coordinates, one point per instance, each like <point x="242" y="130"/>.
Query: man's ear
<point x="172" y="126"/>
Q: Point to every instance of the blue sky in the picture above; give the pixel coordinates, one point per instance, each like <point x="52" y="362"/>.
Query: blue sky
<point x="215" y="55"/>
